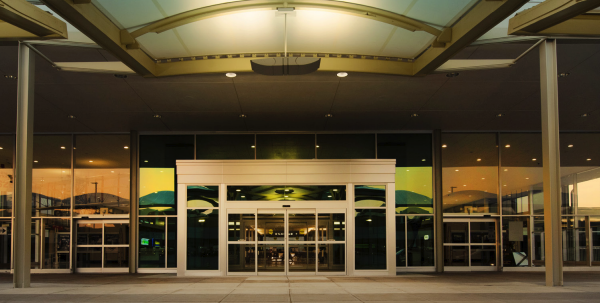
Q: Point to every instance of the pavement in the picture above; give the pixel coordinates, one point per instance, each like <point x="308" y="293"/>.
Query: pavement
<point x="410" y="287"/>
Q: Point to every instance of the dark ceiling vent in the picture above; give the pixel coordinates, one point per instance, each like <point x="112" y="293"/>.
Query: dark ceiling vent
<point x="285" y="66"/>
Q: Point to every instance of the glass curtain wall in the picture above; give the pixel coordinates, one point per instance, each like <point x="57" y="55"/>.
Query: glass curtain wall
<point x="6" y="200"/>
<point x="414" y="196"/>
<point x="202" y="227"/>
<point x="370" y="227"/>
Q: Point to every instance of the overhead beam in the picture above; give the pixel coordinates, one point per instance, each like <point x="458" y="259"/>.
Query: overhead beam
<point x="20" y="19"/>
<point x="212" y="11"/>
<point x="548" y="14"/>
<point x="94" y="24"/>
<point x="586" y="25"/>
<point x="478" y="21"/>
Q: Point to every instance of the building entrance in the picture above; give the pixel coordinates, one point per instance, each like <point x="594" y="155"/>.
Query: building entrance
<point x="287" y="242"/>
<point x="470" y="244"/>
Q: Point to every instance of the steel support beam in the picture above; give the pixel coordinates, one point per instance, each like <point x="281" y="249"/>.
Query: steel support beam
<point x="437" y="202"/>
<point x="26" y="21"/>
<point x="23" y="168"/>
<point x="548" y="14"/>
<point x="551" y="153"/>
<point x="133" y="201"/>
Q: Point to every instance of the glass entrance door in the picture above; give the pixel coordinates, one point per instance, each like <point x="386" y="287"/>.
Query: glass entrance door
<point x="470" y="244"/>
<point x="287" y="242"/>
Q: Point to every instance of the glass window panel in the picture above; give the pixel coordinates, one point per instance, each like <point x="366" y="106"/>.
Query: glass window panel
<point x="456" y="232"/>
<point x="202" y="196"/>
<point x="51" y="176"/>
<point x="595" y="230"/>
<point x="370" y="239"/>
<point x="6" y="175"/>
<point x="241" y="258"/>
<point x="456" y="256"/>
<point x="484" y="255"/>
<point x="152" y="242"/>
<point x="286" y="193"/>
<point x="332" y="227"/>
<point x="172" y="242"/>
<point x="588" y="192"/>
<point x="332" y="257"/>
<point x="271" y="258"/>
<point x="302" y="257"/>
<point x="285" y="146"/>
<point x="115" y="257"/>
<point x="271" y="227"/>
<point x="89" y="257"/>
<point x="409" y="150"/>
<point x="578" y="154"/>
<point x="116" y="233"/>
<point x="574" y="240"/>
<point x="36" y="242"/>
<point x="419" y="236"/>
<point x="202" y="239"/>
<point x="5" y="244"/>
<point x="400" y="241"/>
<point x="414" y="193"/>
<point x="241" y="227"/>
<point x="483" y="232"/>
<point x="301" y="227"/>
<point x="101" y="174"/>
<point x="89" y="234"/>
<point x="470" y="173"/>
<point x="226" y="147"/>
<point x="158" y="156"/>
<point x="346" y="146"/>
<point x="521" y="173"/>
<point x="515" y="241"/>
<point x="538" y="241"/>
<point x="369" y="196"/>
<point x="57" y="243"/>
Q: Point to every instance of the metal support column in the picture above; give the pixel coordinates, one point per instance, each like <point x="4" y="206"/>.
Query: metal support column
<point x="23" y="168"/>
<point x="133" y="201"/>
<point x="438" y="194"/>
<point x="551" y="153"/>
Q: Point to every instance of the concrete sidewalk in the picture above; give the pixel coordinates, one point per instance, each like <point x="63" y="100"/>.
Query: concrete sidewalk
<point x="448" y="287"/>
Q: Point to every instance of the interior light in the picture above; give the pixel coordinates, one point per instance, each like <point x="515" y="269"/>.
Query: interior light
<point x="35" y="161"/>
<point x="335" y="189"/>
<point x="286" y="190"/>
<point x="91" y="161"/>
<point x="342" y="74"/>
<point x="456" y="170"/>
<point x="570" y="145"/>
<point x="145" y="161"/>
<point x="238" y="190"/>
<point x="317" y="146"/>
<point x="526" y="178"/>
<point x="369" y="220"/>
<point x="504" y="184"/>
<point x="1" y="147"/>
<point x="408" y="170"/>
<point x="243" y="196"/>
<point x="112" y="171"/>
<point x="589" y="159"/>
<point x="285" y="196"/>
<point x="534" y="159"/>
<point x="482" y="178"/>
<point x="126" y="147"/>
<point x="444" y="146"/>
<point x="423" y="160"/>
<point x="230" y="75"/>
<point x="253" y="146"/>
<point x="506" y="169"/>
<point x="507" y="145"/>
<point x="157" y="116"/>
<point x="328" y="196"/>
<point x="465" y="185"/>
<point x="62" y="147"/>
<point x="201" y="220"/>
<point x="478" y="160"/>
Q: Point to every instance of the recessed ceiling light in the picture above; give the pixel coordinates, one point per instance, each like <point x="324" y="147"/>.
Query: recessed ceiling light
<point x="238" y="190"/>
<point x="499" y="115"/>
<point x="91" y="161"/>
<point x="584" y="115"/>
<point x="562" y="75"/>
<point x="112" y="171"/>
<point x="230" y="75"/>
<point x="588" y="159"/>
<point x="506" y="169"/>
<point x="242" y="116"/>
<point x="1" y="147"/>
<point x="369" y="220"/>
<point x="482" y="178"/>
<point x="414" y="115"/>
<point x="534" y="159"/>
<point x="456" y="170"/>
<point x="452" y="75"/>
<point x="157" y="116"/>
<point x="527" y="178"/>
<point x="329" y="116"/>
<point x="423" y="160"/>
<point x="444" y="146"/>
<point x="408" y="170"/>
<point x="62" y="147"/>
<point x="570" y="145"/>
<point x="342" y="74"/>
<point x="253" y="146"/>
<point x="145" y="161"/>
<point x="10" y="77"/>
<point x="35" y="161"/>
<point x="507" y="145"/>
<point x="317" y="146"/>
<point x="126" y="147"/>
<point x="478" y="160"/>
<point x="465" y="185"/>
<point x="71" y="117"/>
<point x="504" y="184"/>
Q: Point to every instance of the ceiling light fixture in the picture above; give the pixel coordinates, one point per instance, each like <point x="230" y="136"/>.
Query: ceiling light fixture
<point x="35" y="161"/>
<point x="414" y="115"/>
<point x="500" y="115"/>
<point x="456" y="170"/>
<point x="1" y="147"/>
<point x="231" y="75"/>
<point x="588" y="159"/>
<point x="452" y="75"/>
<point x="342" y="74"/>
<point x="253" y="146"/>
<point x="62" y="147"/>
<point x="444" y="146"/>
<point x="570" y="145"/>
<point x="71" y="117"/>
<point x="534" y="159"/>
<point x="242" y="116"/>
<point x="329" y="116"/>
<point x="11" y="77"/>
<point x="126" y="147"/>
<point x="91" y="161"/>
<point x="157" y="116"/>
<point x="584" y="115"/>
<point x="562" y="75"/>
<point x="507" y="145"/>
<point x="423" y="160"/>
<point x="478" y="160"/>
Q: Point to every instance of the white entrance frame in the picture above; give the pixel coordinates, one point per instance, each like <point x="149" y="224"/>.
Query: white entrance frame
<point x="285" y="172"/>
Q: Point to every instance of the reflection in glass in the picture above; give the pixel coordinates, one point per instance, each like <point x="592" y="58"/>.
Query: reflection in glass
<point x="420" y="240"/>
<point x="285" y="146"/>
<point x="202" y="196"/>
<point x="574" y="240"/>
<point x="171" y="242"/>
<point x="152" y="242"/>
<point x="157" y="191"/>
<point x="302" y="257"/>
<point x="36" y="242"/>
<point x="241" y="227"/>
<point x="456" y="256"/>
<point x="271" y="227"/>
<point x="369" y="196"/>
<point x="515" y="241"/>
<point x="51" y="176"/>
<point x="483" y="232"/>
<point x="595" y="230"/>
<point x="484" y="255"/>
<point x="224" y="147"/>
<point x="456" y="232"/>
<point x="332" y="227"/>
<point x="241" y="258"/>
<point x="346" y="146"/>
<point x="588" y="192"/>
<point x="538" y="241"/>
<point x="116" y="233"/>
<point x="301" y="227"/>
<point x="470" y="173"/>
<point x="271" y="258"/>
<point x="332" y="257"/>
<point x="6" y="175"/>
<point x="5" y="244"/>
<point x="370" y="239"/>
<point x="89" y="234"/>
<point x="57" y="243"/>
<point x="116" y="257"/>
<point x="414" y="190"/>
<point x="400" y="241"/>
<point x="286" y="193"/>
<point x="89" y="257"/>
<point x="202" y="239"/>
<point x="101" y="174"/>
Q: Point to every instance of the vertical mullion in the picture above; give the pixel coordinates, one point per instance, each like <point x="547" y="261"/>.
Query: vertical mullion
<point x="166" y="242"/>
<point x="71" y="220"/>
